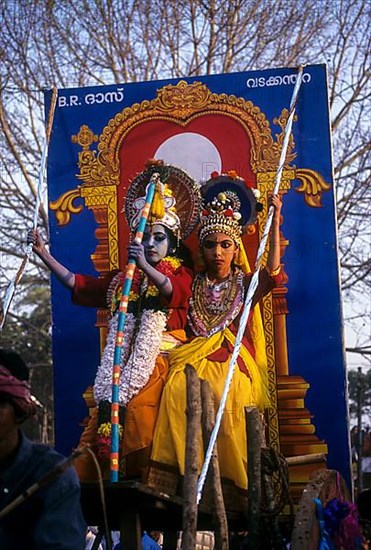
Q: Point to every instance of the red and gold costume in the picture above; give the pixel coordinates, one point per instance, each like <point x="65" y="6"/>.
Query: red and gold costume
<point x="141" y="411"/>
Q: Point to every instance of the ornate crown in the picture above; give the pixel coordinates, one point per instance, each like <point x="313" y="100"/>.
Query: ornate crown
<point x="176" y="204"/>
<point x="230" y="205"/>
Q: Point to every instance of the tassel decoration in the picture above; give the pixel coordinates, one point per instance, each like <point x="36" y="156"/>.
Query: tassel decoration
<point x="157" y="211"/>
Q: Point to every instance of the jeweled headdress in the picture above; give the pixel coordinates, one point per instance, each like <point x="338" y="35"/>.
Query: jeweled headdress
<point x="230" y="205"/>
<point x="177" y="201"/>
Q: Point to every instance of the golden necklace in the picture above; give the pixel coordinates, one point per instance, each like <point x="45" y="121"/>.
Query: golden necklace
<point x="214" y="306"/>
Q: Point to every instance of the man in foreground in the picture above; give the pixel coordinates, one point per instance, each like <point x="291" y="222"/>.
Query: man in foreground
<point x="52" y="517"/>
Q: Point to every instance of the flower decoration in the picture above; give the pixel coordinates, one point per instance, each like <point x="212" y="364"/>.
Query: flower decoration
<point x="142" y="333"/>
<point x="104" y="439"/>
<point x="233" y="174"/>
<point x="141" y="287"/>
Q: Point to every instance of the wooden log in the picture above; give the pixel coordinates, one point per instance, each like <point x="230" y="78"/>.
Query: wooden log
<point x="253" y="475"/>
<point x="193" y="413"/>
<point x="130" y="531"/>
<point x="276" y="536"/>
<point x="305" y="459"/>
<point x="220" y="517"/>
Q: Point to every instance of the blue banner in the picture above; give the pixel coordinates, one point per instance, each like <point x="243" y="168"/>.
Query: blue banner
<point x="102" y="137"/>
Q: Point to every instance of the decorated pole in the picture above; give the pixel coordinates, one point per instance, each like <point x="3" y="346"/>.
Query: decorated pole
<point x="10" y="291"/>
<point x="124" y="301"/>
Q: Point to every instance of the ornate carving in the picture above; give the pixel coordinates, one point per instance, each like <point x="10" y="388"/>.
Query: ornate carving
<point x="85" y="137"/>
<point x="113" y="234"/>
<point x="277" y="147"/>
<point x="183" y="98"/>
<point x="272" y="415"/>
<point x="104" y="199"/>
<point x="64" y="206"/>
<point x="312" y="185"/>
<point x="98" y="196"/>
<point x="179" y="103"/>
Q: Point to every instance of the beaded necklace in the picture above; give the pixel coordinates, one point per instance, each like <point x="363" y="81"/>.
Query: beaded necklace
<point x="214" y="306"/>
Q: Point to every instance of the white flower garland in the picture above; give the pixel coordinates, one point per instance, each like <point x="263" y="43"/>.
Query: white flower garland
<point x="136" y="367"/>
<point x="103" y="379"/>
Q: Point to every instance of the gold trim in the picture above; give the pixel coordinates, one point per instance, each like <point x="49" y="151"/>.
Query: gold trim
<point x="272" y="413"/>
<point x="312" y="185"/>
<point x="183" y="98"/>
<point x="104" y="198"/>
<point x="281" y="121"/>
<point x="265" y="184"/>
<point x="64" y="206"/>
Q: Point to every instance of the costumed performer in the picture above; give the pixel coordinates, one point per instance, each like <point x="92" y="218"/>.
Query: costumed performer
<point x="155" y="320"/>
<point x="218" y="294"/>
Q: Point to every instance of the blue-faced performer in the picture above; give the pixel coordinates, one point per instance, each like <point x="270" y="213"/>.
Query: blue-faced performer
<point x="155" y="321"/>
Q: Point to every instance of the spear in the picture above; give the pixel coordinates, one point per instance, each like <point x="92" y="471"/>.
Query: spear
<point x="116" y="371"/>
<point x="10" y="291"/>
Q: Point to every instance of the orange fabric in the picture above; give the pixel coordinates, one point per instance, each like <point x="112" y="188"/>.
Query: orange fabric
<point x="84" y="464"/>
<point x="142" y="409"/>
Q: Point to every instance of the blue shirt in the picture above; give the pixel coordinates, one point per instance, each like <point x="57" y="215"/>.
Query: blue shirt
<point x="52" y="517"/>
<point x="148" y="543"/>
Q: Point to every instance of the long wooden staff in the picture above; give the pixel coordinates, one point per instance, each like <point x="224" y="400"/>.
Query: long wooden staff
<point x="9" y="294"/>
<point x="116" y="372"/>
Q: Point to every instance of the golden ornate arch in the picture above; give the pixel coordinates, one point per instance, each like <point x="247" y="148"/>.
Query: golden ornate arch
<point x="180" y="103"/>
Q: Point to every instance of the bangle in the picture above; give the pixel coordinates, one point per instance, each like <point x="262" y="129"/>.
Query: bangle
<point x="163" y="283"/>
<point x="274" y="272"/>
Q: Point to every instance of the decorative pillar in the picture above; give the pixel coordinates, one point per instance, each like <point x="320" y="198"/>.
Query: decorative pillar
<point x="296" y="432"/>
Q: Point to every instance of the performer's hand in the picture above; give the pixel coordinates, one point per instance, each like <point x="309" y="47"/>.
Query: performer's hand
<point x="38" y="244"/>
<point x="136" y="252"/>
<point x="275" y="201"/>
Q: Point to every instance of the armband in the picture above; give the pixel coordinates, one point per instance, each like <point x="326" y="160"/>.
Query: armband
<point x="163" y="283"/>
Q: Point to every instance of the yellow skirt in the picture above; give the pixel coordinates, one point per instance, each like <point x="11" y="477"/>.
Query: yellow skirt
<point x="170" y="433"/>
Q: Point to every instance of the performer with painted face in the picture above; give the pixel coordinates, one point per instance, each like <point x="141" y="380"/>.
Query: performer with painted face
<point x="218" y="294"/>
<point x="155" y="319"/>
